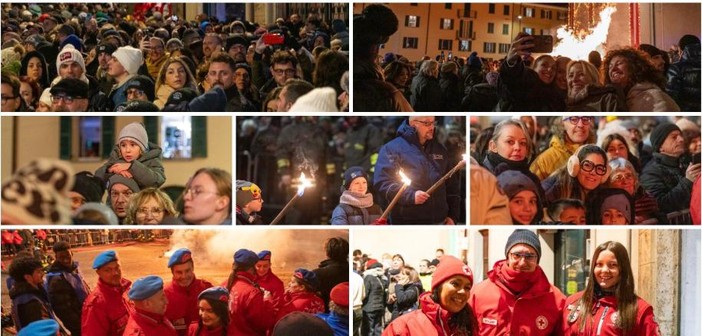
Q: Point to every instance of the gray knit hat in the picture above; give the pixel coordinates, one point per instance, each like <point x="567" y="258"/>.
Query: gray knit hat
<point x="135" y="132"/>
<point x="522" y="236"/>
<point x="619" y="202"/>
<point x="119" y="179"/>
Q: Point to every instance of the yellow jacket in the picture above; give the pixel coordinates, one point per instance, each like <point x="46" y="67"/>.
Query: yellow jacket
<point x="553" y="158"/>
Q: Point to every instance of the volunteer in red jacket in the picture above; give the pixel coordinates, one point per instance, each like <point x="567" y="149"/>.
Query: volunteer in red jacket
<point x="516" y="298"/>
<point x="182" y="292"/>
<point x="250" y="309"/>
<point x="148" y="317"/>
<point x="608" y="305"/>
<point x="266" y="279"/>
<point x="106" y="309"/>
<point x="214" y="313"/>
<point x="301" y="294"/>
<point x="444" y="311"/>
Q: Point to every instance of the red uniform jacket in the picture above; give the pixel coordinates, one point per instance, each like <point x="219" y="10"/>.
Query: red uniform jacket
<point x="273" y="284"/>
<point x="307" y="302"/>
<point x="536" y="312"/>
<point x="182" y="306"/>
<point x="604" y="318"/>
<point x="429" y="320"/>
<point x="192" y="331"/>
<point x="249" y="313"/>
<point x="106" y="310"/>
<point x="143" y="323"/>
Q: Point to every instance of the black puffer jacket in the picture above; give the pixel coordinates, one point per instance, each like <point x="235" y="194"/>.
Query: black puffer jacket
<point x="451" y="92"/>
<point x="665" y="180"/>
<point x="684" y="80"/>
<point x="521" y="90"/>
<point x="426" y="93"/>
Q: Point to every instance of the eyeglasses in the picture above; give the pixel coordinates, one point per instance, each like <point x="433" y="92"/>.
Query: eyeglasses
<point x="135" y="92"/>
<point x="575" y="120"/>
<point x="622" y="177"/>
<point x="529" y="257"/>
<point x="254" y="189"/>
<point x="589" y="166"/>
<point x="195" y="192"/>
<point x="5" y="98"/>
<point x="153" y="211"/>
<point x="426" y="123"/>
<point x="66" y="99"/>
<point x="289" y="72"/>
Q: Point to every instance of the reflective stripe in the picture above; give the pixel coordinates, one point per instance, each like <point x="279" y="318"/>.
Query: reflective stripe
<point x="283" y="163"/>
<point x="331" y="168"/>
<point x="358" y="146"/>
<point x="373" y="159"/>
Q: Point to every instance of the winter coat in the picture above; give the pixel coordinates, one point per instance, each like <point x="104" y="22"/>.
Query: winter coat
<point x="182" y="308"/>
<point x="29" y="304"/>
<point x="147" y="170"/>
<point x="599" y="99"/>
<point x="143" y="323"/>
<point x="426" y="93"/>
<point x="362" y="145"/>
<point x="351" y="212"/>
<point x="648" y="97"/>
<point x="376" y="285"/>
<point x="665" y="180"/>
<point x="480" y="97"/>
<point x="424" y="165"/>
<point x="118" y="93"/>
<point x="646" y="208"/>
<point x="162" y="94"/>
<point x="273" y="284"/>
<point x="373" y="94"/>
<point x="451" y="92"/>
<point x="331" y="273"/>
<point x="234" y="103"/>
<point x="298" y="143"/>
<point x="192" y="330"/>
<point x="106" y="310"/>
<point x="695" y="202"/>
<point x="406" y="299"/>
<point x="243" y="218"/>
<point x="488" y="202"/>
<point x="602" y="321"/>
<point x="684" y="79"/>
<point x="249" y="313"/>
<point x="520" y="89"/>
<point x="67" y="291"/>
<point x="430" y="320"/>
<point x="553" y="158"/>
<point x="536" y="311"/>
<point x="338" y="323"/>
<point x="306" y="302"/>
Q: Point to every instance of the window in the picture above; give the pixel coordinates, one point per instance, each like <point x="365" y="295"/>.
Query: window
<point x="410" y="42"/>
<point x="86" y="138"/>
<point x="562" y="16"/>
<point x="546" y="14"/>
<point x="489" y="47"/>
<point x="90" y="137"/>
<point x="446" y="24"/>
<point x="446" y="45"/>
<point x="447" y="6"/>
<point x="491" y="8"/>
<point x="528" y="12"/>
<point x="176" y="135"/>
<point x="505" y="10"/>
<point x="505" y="29"/>
<point x="465" y="45"/>
<point x="491" y="28"/>
<point x="412" y="21"/>
<point x="504" y="48"/>
<point x="529" y="31"/>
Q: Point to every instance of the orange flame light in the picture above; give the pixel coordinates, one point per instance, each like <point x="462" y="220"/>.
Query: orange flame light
<point x="578" y="48"/>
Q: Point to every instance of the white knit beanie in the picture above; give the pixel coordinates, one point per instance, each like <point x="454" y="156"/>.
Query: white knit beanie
<point x="318" y="100"/>
<point x="130" y="58"/>
<point x="69" y="54"/>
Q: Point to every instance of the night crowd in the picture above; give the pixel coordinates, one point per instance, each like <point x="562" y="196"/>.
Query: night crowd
<point x="586" y="170"/>
<point x="139" y="58"/>
<point x="353" y="164"/>
<point x="56" y="299"/>
<point x="641" y="79"/>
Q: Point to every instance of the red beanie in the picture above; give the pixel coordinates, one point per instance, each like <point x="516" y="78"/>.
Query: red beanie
<point x="448" y="267"/>
<point x="373" y="263"/>
<point x="340" y="294"/>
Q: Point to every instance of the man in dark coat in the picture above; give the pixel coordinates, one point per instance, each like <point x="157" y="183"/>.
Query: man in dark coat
<point x="67" y="287"/>
<point x="684" y="76"/>
<point x="29" y="299"/>
<point x="335" y="269"/>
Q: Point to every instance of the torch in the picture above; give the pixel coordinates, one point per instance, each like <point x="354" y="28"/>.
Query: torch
<point x="405" y="183"/>
<point x="448" y="175"/>
<point x="304" y="183"/>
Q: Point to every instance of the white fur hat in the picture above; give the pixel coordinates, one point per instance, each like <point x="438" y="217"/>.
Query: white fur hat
<point x="318" y="100"/>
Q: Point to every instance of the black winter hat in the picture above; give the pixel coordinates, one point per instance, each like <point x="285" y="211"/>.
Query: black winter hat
<point x="522" y="236"/>
<point x="659" y="134"/>
<point x="139" y="106"/>
<point x="75" y="88"/>
<point x="142" y="83"/>
<point x="301" y="323"/>
<point x="352" y="174"/>
<point x="89" y="186"/>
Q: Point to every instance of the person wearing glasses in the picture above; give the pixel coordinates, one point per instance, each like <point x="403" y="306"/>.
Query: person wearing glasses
<point x="11" y="99"/>
<point x="208" y="197"/>
<point x="609" y="304"/>
<point x="625" y="177"/>
<point x="424" y="161"/>
<point x="584" y="172"/>
<point x="150" y="206"/>
<point x="249" y="202"/>
<point x="517" y="298"/>
<point x="568" y="135"/>
<point x="69" y="95"/>
<point x="283" y="67"/>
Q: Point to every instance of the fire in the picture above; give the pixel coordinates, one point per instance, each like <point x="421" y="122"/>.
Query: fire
<point x="304" y="183"/>
<point x="404" y="178"/>
<point x="577" y="45"/>
<point x="465" y="157"/>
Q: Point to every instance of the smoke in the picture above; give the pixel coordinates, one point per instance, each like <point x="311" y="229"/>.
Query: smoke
<point x="307" y="164"/>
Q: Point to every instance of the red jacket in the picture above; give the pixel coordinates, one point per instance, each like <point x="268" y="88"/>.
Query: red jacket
<point x="537" y="311"/>
<point x="249" y="313"/>
<point x="182" y="308"/>
<point x="307" y="302"/>
<point x="273" y="284"/>
<point x="143" y="323"/>
<point x="106" y="310"/>
<point x="192" y="331"/>
<point x="604" y="317"/>
<point x="695" y="202"/>
<point x="429" y="320"/>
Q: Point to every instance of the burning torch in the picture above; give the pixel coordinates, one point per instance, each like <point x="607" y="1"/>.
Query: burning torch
<point x="448" y="175"/>
<point x="405" y="183"/>
<point x="304" y="183"/>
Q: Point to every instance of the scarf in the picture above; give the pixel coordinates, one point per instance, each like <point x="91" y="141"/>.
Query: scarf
<point x="496" y="160"/>
<point x="517" y="282"/>
<point x="355" y="199"/>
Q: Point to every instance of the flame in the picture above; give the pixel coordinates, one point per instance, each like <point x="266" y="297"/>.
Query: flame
<point x="465" y="157"/>
<point x="404" y="178"/>
<point x="577" y="45"/>
<point x="304" y="183"/>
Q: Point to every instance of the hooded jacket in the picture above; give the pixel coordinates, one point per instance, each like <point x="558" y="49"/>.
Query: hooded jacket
<point x="684" y="79"/>
<point x="147" y="170"/>
<point x="424" y="165"/>
<point x="430" y="320"/>
<point x="536" y="311"/>
<point x="604" y="317"/>
<point x="249" y="313"/>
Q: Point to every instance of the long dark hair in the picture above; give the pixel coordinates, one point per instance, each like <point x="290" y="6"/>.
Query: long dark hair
<point x="221" y="309"/>
<point x="464" y="321"/>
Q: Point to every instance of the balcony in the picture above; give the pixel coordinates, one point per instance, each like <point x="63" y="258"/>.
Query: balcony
<point x="465" y="35"/>
<point x="467" y="14"/>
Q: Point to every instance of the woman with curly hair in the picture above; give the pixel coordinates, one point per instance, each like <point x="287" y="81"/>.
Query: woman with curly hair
<point x="399" y="74"/>
<point x="632" y="72"/>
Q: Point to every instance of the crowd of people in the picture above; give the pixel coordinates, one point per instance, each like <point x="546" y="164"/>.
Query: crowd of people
<point x="353" y="164"/>
<point x="583" y="169"/>
<point x="108" y="57"/>
<point x="516" y="298"/>
<point x="641" y="79"/>
<point x="49" y="192"/>
<point x="57" y="300"/>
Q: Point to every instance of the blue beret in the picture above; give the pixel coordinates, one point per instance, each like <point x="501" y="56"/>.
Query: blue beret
<point x="307" y="276"/>
<point x="180" y="256"/>
<point x="146" y="287"/>
<point x="215" y="293"/>
<point x="245" y="257"/>
<point x="104" y="258"/>
<point x="264" y="255"/>
<point x="48" y="327"/>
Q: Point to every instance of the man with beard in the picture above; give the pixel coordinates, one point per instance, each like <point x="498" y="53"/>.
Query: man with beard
<point x="221" y="72"/>
<point x="157" y="56"/>
<point x="237" y="46"/>
<point x="210" y="44"/>
<point x="106" y="309"/>
<point x="29" y="299"/>
<point x="69" y="95"/>
<point x="67" y="288"/>
<point x="120" y="190"/>
<point x="183" y="291"/>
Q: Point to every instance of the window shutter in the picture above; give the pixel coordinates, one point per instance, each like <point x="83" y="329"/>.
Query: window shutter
<point x="108" y="136"/>
<point x="199" y="124"/>
<point x="151" y="126"/>
<point x="65" y="137"/>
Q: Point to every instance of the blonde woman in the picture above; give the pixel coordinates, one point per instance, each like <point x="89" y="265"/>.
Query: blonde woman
<point x="150" y="206"/>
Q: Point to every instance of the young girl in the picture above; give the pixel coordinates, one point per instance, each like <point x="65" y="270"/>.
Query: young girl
<point x="135" y="158"/>
<point x="525" y="201"/>
<point x="301" y="294"/>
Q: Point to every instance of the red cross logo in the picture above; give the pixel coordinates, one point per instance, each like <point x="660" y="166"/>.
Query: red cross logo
<point x="541" y="322"/>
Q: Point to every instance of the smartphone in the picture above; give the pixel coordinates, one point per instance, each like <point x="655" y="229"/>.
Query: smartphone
<point x="174" y="18"/>
<point x="450" y="56"/>
<point x="273" y="39"/>
<point x="696" y="158"/>
<point x="543" y="44"/>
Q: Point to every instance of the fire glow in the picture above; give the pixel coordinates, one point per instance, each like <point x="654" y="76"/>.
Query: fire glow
<point x="577" y="46"/>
